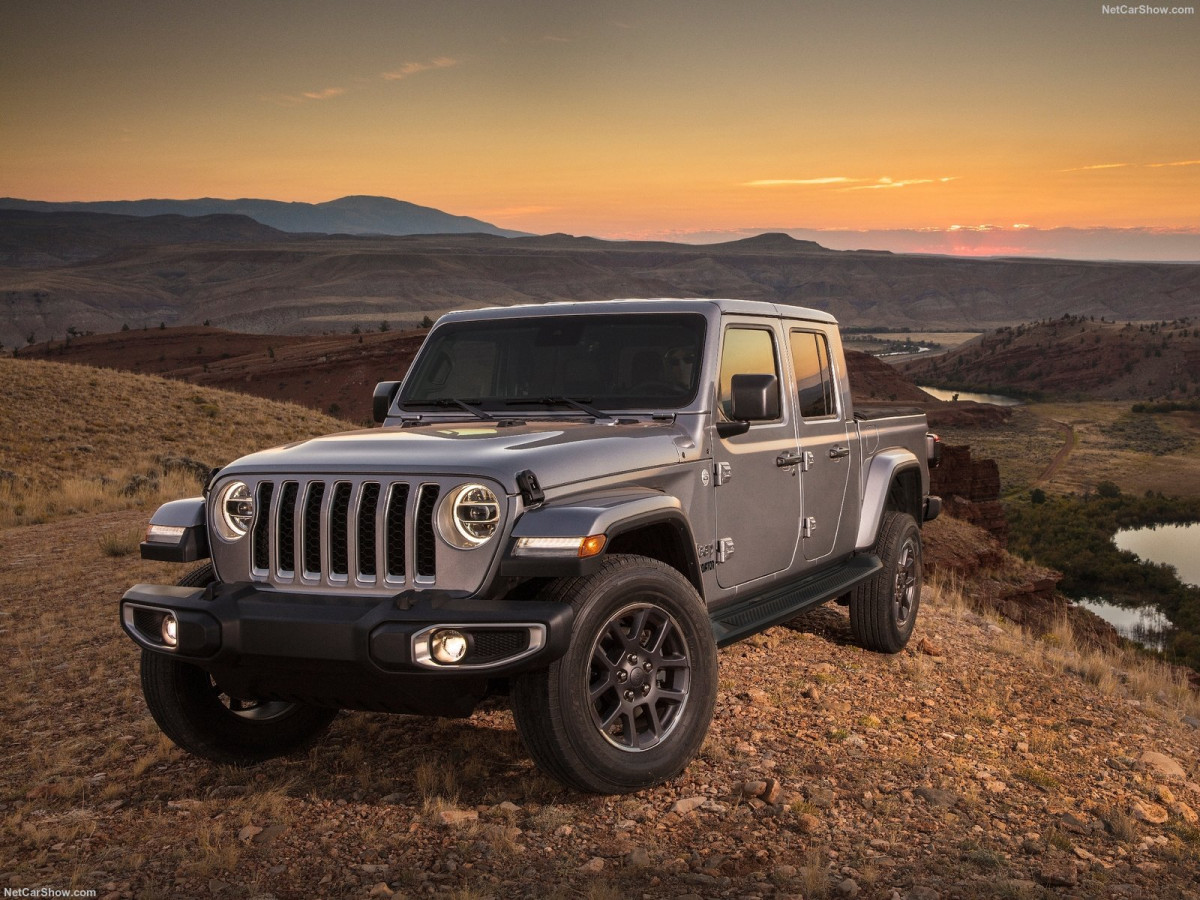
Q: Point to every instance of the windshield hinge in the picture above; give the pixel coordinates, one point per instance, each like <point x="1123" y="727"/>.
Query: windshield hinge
<point x="531" y="491"/>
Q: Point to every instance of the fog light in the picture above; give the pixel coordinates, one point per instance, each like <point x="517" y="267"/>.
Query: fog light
<point x="448" y="646"/>
<point x="170" y="630"/>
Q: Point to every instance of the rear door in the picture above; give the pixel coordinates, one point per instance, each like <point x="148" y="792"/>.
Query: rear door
<point x="757" y="500"/>
<point x="822" y="433"/>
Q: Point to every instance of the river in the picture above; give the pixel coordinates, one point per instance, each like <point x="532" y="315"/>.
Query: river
<point x="994" y="399"/>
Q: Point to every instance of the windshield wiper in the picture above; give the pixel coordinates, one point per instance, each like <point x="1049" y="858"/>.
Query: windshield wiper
<point x="566" y="401"/>
<point x="463" y="404"/>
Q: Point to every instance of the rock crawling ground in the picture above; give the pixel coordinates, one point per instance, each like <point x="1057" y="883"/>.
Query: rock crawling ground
<point x="970" y="765"/>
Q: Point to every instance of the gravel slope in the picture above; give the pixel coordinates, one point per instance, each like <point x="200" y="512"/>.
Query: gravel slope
<point x="971" y="765"/>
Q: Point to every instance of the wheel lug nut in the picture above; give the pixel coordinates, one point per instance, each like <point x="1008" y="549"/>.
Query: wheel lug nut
<point x="622" y="677"/>
<point x="633" y="660"/>
<point x="645" y="689"/>
<point x="648" y="666"/>
<point x="629" y="695"/>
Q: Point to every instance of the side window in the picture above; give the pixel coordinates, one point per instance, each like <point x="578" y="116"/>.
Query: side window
<point x="747" y="351"/>
<point x="814" y="377"/>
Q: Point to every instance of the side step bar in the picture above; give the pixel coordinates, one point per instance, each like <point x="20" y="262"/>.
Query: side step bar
<point x="781" y="602"/>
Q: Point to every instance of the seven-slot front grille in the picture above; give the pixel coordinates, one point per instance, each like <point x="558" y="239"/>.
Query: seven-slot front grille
<point x="336" y="531"/>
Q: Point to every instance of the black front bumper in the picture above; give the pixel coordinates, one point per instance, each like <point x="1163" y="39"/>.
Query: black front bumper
<point x="344" y="651"/>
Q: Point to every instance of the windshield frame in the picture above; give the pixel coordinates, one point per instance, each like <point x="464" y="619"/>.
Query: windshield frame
<point x="527" y="406"/>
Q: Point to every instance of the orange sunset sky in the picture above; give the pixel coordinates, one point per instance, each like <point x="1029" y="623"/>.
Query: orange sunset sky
<point x="620" y="119"/>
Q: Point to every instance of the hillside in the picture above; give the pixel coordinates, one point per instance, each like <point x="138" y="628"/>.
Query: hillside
<point x="31" y="240"/>
<point x="1074" y="357"/>
<point x="316" y="284"/>
<point x="346" y="215"/>
<point x="337" y="373"/>
<point x="332" y="373"/>
<point x="75" y="439"/>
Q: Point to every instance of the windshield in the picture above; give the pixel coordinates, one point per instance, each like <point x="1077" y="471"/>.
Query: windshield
<point x="629" y="362"/>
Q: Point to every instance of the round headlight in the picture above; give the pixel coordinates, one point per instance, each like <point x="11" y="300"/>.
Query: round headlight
<point x="470" y="516"/>
<point x="235" y="510"/>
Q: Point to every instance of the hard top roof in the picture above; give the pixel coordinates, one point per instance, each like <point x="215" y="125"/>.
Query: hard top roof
<point x="656" y="304"/>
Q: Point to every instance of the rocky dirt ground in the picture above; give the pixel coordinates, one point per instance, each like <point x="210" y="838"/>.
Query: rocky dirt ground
<point x="974" y="764"/>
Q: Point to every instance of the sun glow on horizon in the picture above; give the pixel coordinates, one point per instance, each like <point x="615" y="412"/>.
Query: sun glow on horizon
<point x="650" y="119"/>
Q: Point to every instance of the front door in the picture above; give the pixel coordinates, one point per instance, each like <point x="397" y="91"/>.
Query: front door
<point x="757" y="500"/>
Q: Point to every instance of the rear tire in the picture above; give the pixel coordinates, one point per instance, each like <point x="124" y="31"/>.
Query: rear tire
<point x="196" y="715"/>
<point x="629" y="704"/>
<point x="883" y="611"/>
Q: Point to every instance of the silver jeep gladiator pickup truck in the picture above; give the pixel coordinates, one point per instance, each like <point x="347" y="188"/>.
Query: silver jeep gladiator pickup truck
<point x="573" y="504"/>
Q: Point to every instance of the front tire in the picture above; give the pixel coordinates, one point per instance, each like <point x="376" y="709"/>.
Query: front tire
<point x="629" y="704"/>
<point x="883" y="611"/>
<point x="197" y="716"/>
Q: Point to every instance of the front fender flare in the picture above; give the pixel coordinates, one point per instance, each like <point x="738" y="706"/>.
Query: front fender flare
<point x="610" y="514"/>
<point x="192" y="544"/>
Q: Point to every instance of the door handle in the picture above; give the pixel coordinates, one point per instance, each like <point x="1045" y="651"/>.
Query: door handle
<point x="839" y="452"/>
<point x="787" y="460"/>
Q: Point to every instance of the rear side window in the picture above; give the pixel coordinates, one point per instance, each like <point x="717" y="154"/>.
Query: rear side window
<point x="747" y="351"/>
<point x="814" y="376"/>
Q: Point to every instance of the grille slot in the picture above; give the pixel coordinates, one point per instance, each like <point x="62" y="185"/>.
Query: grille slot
<point x="339" y="530"/>
<point x="262" y="527"/>
<point x="286" y="542"/>
<point x="312" y="528"/>
<point x="396" y="530"/>
<point x="426" y="546"/>
<point x="366" y="529"/>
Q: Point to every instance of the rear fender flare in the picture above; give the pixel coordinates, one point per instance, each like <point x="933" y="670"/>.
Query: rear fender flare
<point x="884" y="468"/>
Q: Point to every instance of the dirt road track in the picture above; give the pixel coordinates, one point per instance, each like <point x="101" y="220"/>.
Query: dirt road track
<point x="1061" y="456"/>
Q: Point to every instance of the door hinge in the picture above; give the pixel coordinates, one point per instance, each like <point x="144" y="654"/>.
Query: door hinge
<point x="808" y="526"/>
<point x="724" y="473"/>
<point x="724" y="549"/>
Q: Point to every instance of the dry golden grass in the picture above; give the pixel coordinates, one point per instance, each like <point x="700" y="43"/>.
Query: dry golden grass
<point x="1059" y="649"/>
<point x="77" y="440"/>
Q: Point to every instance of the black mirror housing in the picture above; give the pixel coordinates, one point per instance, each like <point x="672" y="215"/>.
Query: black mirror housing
<point x="381" y="401"/>
<point x="755" y="398"/>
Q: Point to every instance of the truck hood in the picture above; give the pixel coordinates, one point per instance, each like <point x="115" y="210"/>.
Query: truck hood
<point x="559" y="452"/>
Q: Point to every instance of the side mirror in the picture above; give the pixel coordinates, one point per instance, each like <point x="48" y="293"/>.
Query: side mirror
<point x="755" y="398"/>
<point x="381" y="401"/>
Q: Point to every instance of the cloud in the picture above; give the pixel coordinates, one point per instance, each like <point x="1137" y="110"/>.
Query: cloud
<point x="324" y="94"/>
<point x="777" y="182"/>
<point x="887" y="183"/>
<point x="305" y="96"/>
<point x="1093" y="168"/>
<point x="557" y="39"/>
<point x="415" y="68"/>
<point x="1186" y="162"/>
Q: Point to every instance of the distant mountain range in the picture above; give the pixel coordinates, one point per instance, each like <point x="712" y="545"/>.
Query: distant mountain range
<point x="347" y="215"/>
<point x="78" y="271"/>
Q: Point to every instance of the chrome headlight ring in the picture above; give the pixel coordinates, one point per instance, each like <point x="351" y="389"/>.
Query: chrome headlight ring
<point x="234" y="510"/>
<point x="469" y="516"/>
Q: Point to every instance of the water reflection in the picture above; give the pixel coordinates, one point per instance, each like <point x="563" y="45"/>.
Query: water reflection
<point x="1145" y="625"/>
<point x="994" y="399"/>
<point x="1174" y="545"/>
